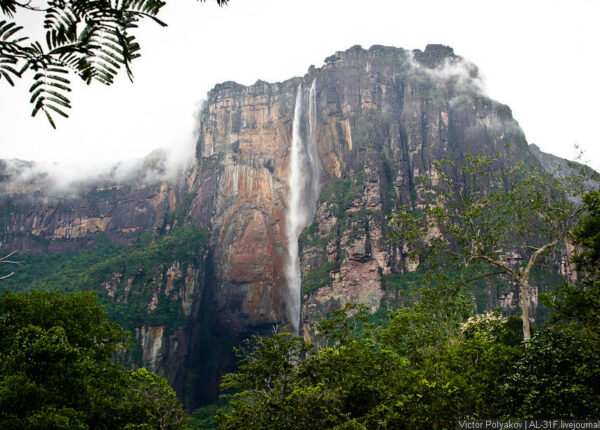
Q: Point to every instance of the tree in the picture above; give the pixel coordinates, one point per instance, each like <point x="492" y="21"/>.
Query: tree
<point x="91" y="39"/>
<point x="580" y="302"/>
<point x="431" y="362"/>
<point x="151" y="400"/>
<point x="559" y="373"/>
<point x="286" y="383"/>
<point x="424" y="366"/>
<point x="61" y="367"/>
<point x="586" y="234"/>
<point x="491" y="210"/>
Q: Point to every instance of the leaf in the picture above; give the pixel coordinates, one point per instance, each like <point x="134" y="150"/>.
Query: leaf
<point x="48" y="92"/>
<point x="91" y="38"/>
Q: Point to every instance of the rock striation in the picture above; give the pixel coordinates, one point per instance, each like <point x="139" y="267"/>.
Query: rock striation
<point x="381" y="117"/>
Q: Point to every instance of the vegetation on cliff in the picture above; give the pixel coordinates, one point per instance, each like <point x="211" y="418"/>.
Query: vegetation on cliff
<point x="383" y="116"/>
<point x="81" y="270"/>
<point x="431" y="362"/>
<point x="493" y="211"/>
<point x="125" y="277"/>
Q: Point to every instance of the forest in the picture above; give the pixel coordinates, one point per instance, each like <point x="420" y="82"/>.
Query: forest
<point x="425" y="364"/>
<point x="371" y="242"/>
<point x="436" y="360"/>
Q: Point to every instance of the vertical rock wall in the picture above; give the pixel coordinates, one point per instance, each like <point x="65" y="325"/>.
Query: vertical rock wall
<point x="382" y="116"/>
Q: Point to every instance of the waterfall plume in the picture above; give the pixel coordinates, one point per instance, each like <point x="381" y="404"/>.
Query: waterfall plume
<point x="304" y="187"/>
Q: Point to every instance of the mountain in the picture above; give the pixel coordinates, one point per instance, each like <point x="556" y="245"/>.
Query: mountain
<point x="194" y="261"/>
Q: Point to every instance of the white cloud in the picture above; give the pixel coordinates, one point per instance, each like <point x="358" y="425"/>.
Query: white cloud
<point x="537" y="57"/>
<point x="455" y="71"/>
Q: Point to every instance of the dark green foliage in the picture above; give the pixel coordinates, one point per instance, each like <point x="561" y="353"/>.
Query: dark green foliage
<point x="480" y="281"/>
<point x="318" y="277"/>
<point x="84" y="269"/>
<point x="421" y="329"/>
<point x="90" y="38"/>
<point x="344" y="325"/>
<point x="136" y="276"/>
<point x="284" y="391"/>
<point x="168" y="312"/>
<point x="577" y="303"/>
<point x="558" y="375"/>
<point x="581" y="302"/>
<point x="177" y="216"/>
<point x="342" y="192"/>
<point x="203" y="418"/>
<point x="59" y="368"/>
<point x="58" y="270"/>
<point x="587" y="235"/>
<point x="184" y="245"/>
<point x="405" y="282"/>
<point x="424" y="367"/>
<point x="310" y="231"/>
<point x="151" y="400"/>
<point x="144" y="260"/>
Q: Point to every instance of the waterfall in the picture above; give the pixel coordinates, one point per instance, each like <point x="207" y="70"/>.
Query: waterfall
<point x="304" y="187"/>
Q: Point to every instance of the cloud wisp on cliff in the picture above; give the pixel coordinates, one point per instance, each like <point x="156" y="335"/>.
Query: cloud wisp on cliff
<point x="515" y="46"/>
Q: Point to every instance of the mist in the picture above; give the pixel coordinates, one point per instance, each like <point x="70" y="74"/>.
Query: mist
<point x="69" y="178"/>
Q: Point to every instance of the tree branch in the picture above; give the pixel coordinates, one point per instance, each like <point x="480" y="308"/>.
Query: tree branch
<point x="486" y="275"/>
<point x="500" y="265"/>
<point x="29" y="7"/>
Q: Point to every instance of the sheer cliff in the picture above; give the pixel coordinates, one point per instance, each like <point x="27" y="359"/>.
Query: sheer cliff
<point x="194" y="264"/>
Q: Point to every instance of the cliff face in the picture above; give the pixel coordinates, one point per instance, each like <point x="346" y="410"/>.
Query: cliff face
<point x="40" y="215"/>
<point x="240" y="193"/>
<point x="127" y="240"/>
<point x="381" y="117"/>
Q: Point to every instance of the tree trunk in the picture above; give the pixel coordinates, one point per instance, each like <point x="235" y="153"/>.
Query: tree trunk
<point x="524" y="296"/>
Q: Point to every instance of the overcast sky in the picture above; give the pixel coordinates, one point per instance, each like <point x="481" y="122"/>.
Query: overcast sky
<point x="539" y="57"/>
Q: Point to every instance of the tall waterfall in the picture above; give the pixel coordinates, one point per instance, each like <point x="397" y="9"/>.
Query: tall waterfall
<point x="304" y="187"/>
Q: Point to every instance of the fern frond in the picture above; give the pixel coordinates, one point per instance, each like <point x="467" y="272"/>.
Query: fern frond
<point x="90" y="38"/>
<point x="11" y="50"/>
<point x="48" y="92"/>
<point x="8" y="7"/>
